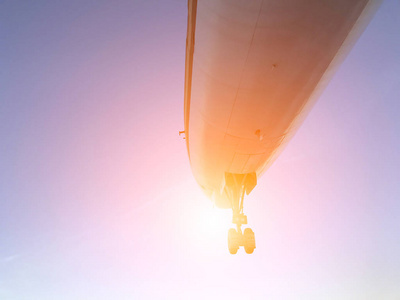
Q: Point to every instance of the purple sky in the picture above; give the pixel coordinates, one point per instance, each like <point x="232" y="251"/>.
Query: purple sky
<point x="97" y="199"/>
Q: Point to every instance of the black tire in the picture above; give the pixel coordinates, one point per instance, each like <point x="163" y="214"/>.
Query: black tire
<point x="233" y="241"/>
<point x="249" y="241"/>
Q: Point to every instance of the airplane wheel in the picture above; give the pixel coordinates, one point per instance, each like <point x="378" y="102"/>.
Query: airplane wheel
<point x="249" y="240"/>
<point x="233" y="241"/>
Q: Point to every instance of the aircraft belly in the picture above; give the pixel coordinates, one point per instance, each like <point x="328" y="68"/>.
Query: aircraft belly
<point x="257" y="67"/>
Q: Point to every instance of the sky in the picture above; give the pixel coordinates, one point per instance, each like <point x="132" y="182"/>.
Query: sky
<point x="97" y="198"/>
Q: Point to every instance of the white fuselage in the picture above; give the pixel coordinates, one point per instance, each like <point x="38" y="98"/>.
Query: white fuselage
<point x="253" y="70"/>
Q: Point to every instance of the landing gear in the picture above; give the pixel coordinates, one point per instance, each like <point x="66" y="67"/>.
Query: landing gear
<point x="239" y="184"/>
<point x="237" y="239"/>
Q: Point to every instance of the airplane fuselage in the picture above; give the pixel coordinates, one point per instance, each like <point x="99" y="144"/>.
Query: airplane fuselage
<point x="253" y="71"/>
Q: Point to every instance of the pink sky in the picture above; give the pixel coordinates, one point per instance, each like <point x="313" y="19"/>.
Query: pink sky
<point x="97" y="199"/>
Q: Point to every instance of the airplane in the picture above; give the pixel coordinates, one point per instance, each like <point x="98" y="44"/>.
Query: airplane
<point x="253" y="70"/>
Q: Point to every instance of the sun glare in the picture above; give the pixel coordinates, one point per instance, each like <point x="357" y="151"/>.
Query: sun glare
<point x="207" y="226"/>
<point x="214" y="221"/>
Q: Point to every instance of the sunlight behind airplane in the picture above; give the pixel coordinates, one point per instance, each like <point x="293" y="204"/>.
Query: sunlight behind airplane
<point x="253" y="71"/>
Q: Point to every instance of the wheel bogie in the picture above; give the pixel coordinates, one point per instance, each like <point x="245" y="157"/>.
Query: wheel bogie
<point x="237" y="239"/>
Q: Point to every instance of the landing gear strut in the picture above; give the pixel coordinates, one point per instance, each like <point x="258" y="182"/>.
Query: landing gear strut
<point x="239" y="184"/>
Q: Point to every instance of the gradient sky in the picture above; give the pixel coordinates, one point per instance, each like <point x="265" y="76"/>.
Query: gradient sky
<point x="97" y="199"/>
